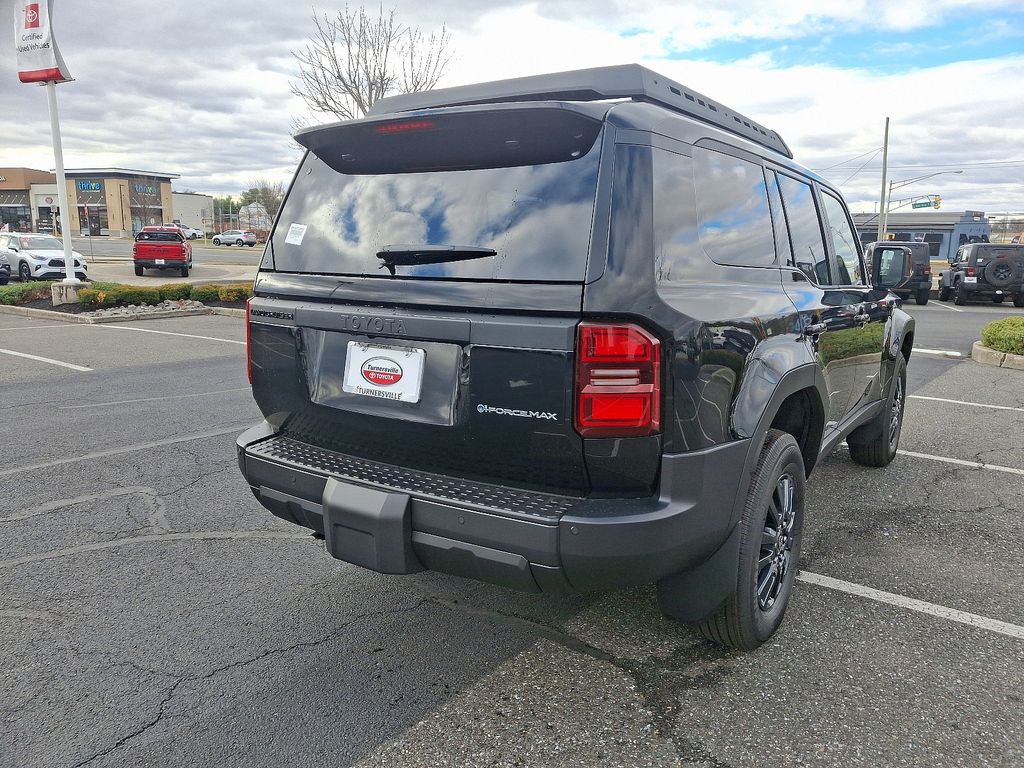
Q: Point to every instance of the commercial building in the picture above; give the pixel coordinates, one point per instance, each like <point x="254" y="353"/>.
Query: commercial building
<point x="944" y="231"/>
<point x="103" y="201"/>
<point x="193" y="209"/>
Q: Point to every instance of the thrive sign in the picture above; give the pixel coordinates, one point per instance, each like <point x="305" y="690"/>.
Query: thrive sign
<point x="39" y="60"/>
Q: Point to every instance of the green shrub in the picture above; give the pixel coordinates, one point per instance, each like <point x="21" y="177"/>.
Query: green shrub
<point x="1006" y="335"/>
<point x="205" y="293"/>
<point x="175" y="291"/>
<point x="230" y="293"/>
<point x="19" y="293"/>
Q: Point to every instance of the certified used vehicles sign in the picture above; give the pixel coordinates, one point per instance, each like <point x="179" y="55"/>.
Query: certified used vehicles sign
<point x="388" y="373"/>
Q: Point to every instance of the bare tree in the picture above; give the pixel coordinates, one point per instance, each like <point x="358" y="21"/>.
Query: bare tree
<point x="354" y="59"/>
<point x="269" y="194"/>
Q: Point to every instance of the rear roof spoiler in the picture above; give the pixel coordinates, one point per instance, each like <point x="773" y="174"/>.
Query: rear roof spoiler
<point x="627" y="81"/>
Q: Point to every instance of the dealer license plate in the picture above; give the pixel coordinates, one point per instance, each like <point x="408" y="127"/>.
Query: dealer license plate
<point x="387" y="373"/>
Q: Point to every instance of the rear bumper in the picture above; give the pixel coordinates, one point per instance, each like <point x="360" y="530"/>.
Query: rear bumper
<point x="913" y="287"/>
<point x="168" y="262"/>
<point x="984" y="289"/>
<point x="395" y="520"/>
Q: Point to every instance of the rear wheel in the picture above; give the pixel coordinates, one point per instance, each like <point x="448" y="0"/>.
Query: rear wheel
<point x="943" y="293"/>
<point x="959" y="294"/>
<point x="184" y="271"/>
<point x="921" y="297"/>
<point x="1018" y="300"/>
<point x="998" y="299"/>
<point x="216" y="241"/>
<point x="875" y="444"/>
<point x="770" y="528"/>
<point x="138" y="270"/>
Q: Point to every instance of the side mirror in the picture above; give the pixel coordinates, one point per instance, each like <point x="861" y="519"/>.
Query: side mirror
<point x="890" y="267"/>
<point x="951" y="259"/>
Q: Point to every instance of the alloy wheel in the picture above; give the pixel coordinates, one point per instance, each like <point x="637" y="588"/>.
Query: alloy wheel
<point x="24" y="272"/>
<point x="896" y="414"/>
<point x="774" y="560"/>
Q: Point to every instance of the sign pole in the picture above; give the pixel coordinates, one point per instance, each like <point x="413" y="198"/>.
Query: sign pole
<point x="62" y="184"/>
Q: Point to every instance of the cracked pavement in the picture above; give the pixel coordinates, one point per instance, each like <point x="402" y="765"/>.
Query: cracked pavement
<point x="152" y="613"/>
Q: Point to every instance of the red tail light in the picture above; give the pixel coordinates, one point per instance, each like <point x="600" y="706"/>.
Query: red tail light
<point x="971" y="272"/>
<point x="248" y="342"/>
<point x="618" y="384"/>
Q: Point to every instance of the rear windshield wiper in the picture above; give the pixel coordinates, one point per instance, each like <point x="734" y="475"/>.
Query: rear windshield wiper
<point x="395" y="255"/>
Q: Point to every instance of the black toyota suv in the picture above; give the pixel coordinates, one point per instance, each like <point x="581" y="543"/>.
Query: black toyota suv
<point x="984" y="271"/>
<point x="568" y="332"/>
<point x="919" y="283"/>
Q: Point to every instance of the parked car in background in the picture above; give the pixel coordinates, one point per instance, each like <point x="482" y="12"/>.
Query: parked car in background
<point x="235" y="237"/>
<point x="190" y="232"/>
<point x="36" y="256"/>
<point x="919" y="282"/>
<point x="609" y="352"/>
<point x="5" y="269"/>
<point x="162" y="248"/>
<point x="984" y="271"/>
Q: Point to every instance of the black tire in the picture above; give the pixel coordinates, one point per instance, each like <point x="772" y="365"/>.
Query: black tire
<point x="921" y="297"/>
<point x="251" y="245"/>
<point x="3" y="281"/>
<point x="959" y="294"/>
<point x="1018" y="300"/>
<point x="875" y="444"/>
<point x="767" y="562"/>
<point x="24" y="271"/>
<point x="138" y="270"/>
<point x="943" y="293"/>
<point x="216" y="241"/>
<point x="998" y="299"/>
<point x="184" y="271"/>
<point x="239" y="243"/>
<point x="1000" y="272"/>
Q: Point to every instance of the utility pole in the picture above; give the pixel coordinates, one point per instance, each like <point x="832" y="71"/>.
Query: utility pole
<point x="884" y="204"/>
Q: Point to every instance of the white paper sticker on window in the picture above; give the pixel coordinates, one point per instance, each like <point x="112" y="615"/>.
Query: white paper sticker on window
<point x="295" y="234"/>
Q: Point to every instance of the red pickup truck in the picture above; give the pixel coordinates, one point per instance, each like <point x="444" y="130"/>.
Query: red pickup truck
<point x="162" y="248"/>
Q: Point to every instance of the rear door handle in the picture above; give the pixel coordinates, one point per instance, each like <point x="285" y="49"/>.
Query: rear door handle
<point x="861" y="319"/>
<point x="815" y="328"/>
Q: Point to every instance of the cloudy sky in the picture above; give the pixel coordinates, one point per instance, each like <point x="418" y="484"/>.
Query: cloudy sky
<point x="202" y="89"/>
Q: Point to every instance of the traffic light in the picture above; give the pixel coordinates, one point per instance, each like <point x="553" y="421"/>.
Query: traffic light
<point x="936" y="201"/>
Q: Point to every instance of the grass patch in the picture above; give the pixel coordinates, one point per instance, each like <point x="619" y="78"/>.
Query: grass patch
<point x="1006" y="335"/>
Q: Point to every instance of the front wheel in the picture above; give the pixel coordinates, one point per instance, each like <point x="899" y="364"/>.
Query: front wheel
<point x="943" y="293"/>
<point x="875" y="444"/>
<point x="239" y="243"/>
<point x="24" y="272"/>
<point x="921" y="297"/>
<point x="770" y="528"/>
<point x="998" y="299"/>
<point x="216" y="241"/>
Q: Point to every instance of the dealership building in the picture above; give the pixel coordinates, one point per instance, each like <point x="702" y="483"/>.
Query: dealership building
<point x="103" y="201"/>
<point x="943" y="231"/>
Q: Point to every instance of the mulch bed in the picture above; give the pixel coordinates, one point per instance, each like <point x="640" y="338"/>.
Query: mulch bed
<point x="77" y="309"/>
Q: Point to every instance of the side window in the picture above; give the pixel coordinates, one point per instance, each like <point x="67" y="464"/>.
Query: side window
<point x="844" y="242"/>
<point x="805" y="230"/>
<point x="677" y="252"/>
<point x="782" y="245"/>
<point x="734" y="222"/>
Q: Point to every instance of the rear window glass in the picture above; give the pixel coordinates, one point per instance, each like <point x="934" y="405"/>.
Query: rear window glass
<point x="158" y="237"/>
<point x="536" y="215"/>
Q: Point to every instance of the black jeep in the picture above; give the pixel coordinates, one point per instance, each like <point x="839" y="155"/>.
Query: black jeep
<point x="568" y="332"/>
<point x="919" y="283"/>
<point x="984" y="271"/>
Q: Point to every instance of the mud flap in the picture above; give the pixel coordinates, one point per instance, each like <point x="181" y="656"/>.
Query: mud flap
<point x="369" y="528"/>
<point x="694" y="595"/>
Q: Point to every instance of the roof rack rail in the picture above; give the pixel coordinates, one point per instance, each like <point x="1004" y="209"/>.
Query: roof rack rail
<point x="624" y="81"/>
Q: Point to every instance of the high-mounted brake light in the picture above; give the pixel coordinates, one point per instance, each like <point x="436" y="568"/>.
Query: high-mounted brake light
<point x="407" y="126"/>
<point x="618" y="381"/>
<point x="248" y="342"/>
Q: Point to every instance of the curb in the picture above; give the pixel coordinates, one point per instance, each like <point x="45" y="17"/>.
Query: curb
<point x="988" y="356"/>
<point x="67" y="317"/>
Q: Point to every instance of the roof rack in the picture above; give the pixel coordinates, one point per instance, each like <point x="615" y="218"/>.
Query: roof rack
<point x="624" y="81"/>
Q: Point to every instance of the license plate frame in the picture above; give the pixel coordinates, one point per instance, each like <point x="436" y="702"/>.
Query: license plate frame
<point x="161" y="262"/>
<point x="384" y="372"/>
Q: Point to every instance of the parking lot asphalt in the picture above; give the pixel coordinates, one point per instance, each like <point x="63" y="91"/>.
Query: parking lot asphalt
<point x="152" y="613"/>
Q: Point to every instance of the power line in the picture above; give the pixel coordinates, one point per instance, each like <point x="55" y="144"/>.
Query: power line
<point x="844" y="162"/>
<point x="984" y="164"/>
<point x="861" y="168"/>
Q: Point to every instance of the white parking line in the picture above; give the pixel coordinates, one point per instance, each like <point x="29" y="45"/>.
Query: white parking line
<point x="189" y="396"/>
<point x="962" y="462"/>
<point x="943" y="306"/>
<point x="36" y="327"/>
<point x="170" y="333"/>
<point x="72" y="366"/>
<point x="937" y="352"/>
<point x="911" y="604"/>
<point x="964" y="402"/>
